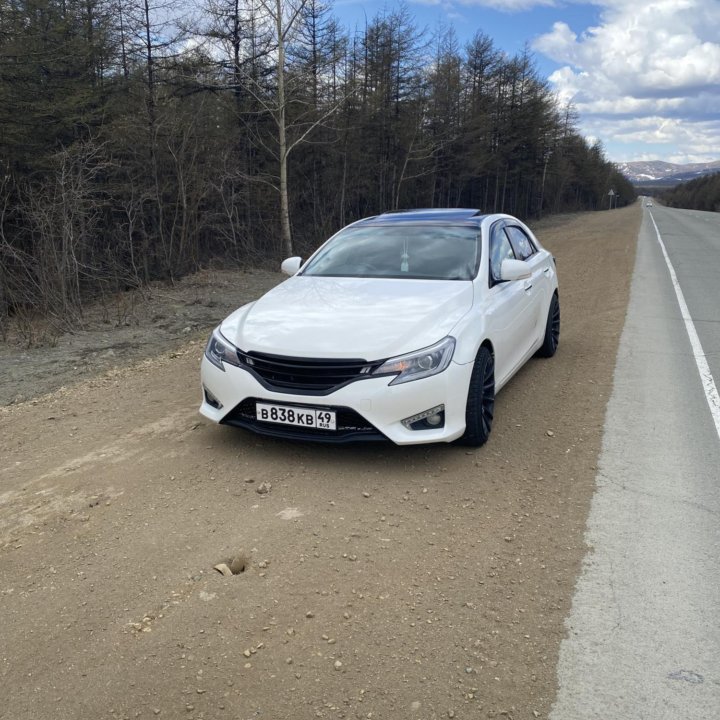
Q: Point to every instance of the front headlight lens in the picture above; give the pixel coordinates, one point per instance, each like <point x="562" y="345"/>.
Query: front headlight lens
<point x="420" y="364"/>
<point x="219" y="351"/>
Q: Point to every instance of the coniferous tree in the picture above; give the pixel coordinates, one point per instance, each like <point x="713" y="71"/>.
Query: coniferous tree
<point x="137" y="143"/>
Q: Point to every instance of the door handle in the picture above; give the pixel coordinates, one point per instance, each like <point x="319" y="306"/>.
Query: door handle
<point x="527" y="286"/>
<point x="546" y="271"/>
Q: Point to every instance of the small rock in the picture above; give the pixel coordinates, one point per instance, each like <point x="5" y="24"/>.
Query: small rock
<point x="309" y="614"/>
<point x="338" y="665"/>
<point x="239" y="563"/>
<point x="263" y="488"/>
<point x="156" y="711"/>
<point x="550" y="433"/>
<point x="223" y="569"/>
<point x="247" y="653"/>
<point x="366" y="494"/>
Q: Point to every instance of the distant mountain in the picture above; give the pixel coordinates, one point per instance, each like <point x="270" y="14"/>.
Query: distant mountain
<point x="657" y="172"/>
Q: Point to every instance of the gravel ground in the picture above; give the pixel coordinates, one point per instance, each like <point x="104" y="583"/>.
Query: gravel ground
<point x="128" y="327"/>
<point x="379" y="582"/>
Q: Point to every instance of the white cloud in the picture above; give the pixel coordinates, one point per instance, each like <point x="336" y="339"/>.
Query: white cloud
<point x="648" y="72"/>
<point x="655" y="137"/>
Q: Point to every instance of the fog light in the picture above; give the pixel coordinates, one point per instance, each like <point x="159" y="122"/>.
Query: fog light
<point x="211" y="400"/>
<point x="427" y="419"/>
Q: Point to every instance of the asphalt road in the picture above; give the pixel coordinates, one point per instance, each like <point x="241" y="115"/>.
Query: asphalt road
<point x="692" y="240"/>
<point x="644" y="633"/>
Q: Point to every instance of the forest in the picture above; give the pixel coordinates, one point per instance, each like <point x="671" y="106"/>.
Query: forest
<point x="140" y="140"/>
<point x="703" y="193"/>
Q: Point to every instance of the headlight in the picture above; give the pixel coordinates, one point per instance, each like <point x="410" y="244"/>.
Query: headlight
<point x="219" y="351"/>
<point x="419" y="364"/>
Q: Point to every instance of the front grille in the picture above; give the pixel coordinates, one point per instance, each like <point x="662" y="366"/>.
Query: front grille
<point x="305" y="376"/>
<point x="350" y="424"/>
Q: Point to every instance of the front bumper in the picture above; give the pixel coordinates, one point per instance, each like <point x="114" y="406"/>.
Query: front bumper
<point x="368" y="409"/>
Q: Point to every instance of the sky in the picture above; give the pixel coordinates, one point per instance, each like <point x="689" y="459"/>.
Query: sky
<point x="644" y="77"/>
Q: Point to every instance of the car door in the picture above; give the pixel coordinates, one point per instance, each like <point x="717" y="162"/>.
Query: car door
<point x="537" y="287"/>
<point x="509" y="316"/>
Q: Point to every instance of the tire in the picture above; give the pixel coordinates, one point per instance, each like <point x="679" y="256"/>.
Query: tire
<point x="480" y="401"/>
<point x="552" y="330"/>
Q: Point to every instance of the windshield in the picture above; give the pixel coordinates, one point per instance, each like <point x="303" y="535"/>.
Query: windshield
<point x="428" y="252"/>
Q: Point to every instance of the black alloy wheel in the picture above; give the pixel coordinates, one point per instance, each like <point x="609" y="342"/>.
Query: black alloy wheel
<point x="552" y="330"/>
<point x="481" y="400"/>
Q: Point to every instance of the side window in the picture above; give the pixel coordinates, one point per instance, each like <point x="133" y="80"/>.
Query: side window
<point x="500" y="249"/>
<point x="522" y="244"/>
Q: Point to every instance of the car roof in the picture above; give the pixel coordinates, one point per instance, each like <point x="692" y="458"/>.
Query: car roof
<point x="427" y="215"/>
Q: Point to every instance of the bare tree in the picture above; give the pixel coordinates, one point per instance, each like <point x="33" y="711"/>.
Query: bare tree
<point x="285" y="17"/>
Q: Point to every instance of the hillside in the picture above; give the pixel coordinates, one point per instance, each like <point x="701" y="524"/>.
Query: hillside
<point x="703" y="193"/>
<point x="658" y="172"/>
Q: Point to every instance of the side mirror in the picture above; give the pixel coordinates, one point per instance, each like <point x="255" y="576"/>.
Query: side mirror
<point x="291" y="265"/>
<point x="515" y="270"/>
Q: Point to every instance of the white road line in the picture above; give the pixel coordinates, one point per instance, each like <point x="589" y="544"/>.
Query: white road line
<point x="708" y="383"/>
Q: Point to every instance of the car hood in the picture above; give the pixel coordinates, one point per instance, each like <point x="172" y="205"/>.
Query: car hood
<point x="369" y="319"/>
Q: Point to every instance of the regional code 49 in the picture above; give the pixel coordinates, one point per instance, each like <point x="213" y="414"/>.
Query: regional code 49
<point x="299" y="416"/>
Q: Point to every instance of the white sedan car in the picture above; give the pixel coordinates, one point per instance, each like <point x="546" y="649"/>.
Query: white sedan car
<point x="401" y="326"/>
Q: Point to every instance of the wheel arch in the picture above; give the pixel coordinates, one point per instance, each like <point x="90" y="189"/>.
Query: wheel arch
<point x="488" y="344"/>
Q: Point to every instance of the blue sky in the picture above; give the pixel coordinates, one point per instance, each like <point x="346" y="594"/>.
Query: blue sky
<point x="644" y="76"/>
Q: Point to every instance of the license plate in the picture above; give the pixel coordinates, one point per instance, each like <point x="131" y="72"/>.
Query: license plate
<point x="298" y="416"/>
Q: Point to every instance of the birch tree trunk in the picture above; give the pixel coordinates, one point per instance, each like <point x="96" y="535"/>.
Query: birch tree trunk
<point x="286" y="234"/>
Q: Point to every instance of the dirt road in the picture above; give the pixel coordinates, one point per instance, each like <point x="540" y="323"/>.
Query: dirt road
<point x="382" y="582"/>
